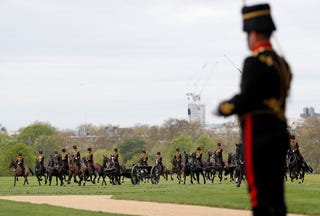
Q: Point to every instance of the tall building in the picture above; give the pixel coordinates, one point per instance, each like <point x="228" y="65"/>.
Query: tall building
<point x="309" y="112"/>
<point x="196" y="110"/>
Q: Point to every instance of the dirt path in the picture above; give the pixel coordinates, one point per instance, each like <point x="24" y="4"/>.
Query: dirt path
<point x="107" y="204"/>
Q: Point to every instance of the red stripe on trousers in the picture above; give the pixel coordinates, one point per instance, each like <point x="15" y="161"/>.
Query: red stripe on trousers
<point x="248" y="160"/>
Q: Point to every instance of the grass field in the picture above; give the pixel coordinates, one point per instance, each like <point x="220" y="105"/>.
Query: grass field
<point x="301" y="198"/>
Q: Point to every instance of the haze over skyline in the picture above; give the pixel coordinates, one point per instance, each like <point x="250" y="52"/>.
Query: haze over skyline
<point x="132" y="62"/>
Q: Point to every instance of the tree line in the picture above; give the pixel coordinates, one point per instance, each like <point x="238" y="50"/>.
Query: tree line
<point x="172" y="134"/>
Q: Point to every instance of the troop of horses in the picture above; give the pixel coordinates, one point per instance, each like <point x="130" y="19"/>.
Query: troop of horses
<point x="190" y="167"/>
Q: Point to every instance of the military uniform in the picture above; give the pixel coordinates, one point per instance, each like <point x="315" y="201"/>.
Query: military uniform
<point x="20" y="162"/>
<point x="76" y="156"/>
<point x="144" y="158"/>
<point x="218" y="152"/>
<point x="178" y="157"/>
<point x="64" y="158"/>
<point x="41" y="160"/>
<point x="116" y="157"/>
<point x="260" y="106"/>
<point x="199" y="156"/>
<point x="159" y="161"/>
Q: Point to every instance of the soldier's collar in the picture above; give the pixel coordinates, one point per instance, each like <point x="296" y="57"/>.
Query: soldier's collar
<point x="260" y="47"/>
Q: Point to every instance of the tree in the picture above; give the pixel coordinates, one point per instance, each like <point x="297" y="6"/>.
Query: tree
<point x="12" y="152"/>
<point x="29" y="134"/>
<point x="205" y="142"/>
<point x="48" y="144"/>
<point x="308" y="137"/>
<point x="129" y="147"/>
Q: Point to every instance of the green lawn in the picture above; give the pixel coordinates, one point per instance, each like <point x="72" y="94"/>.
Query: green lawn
<point x="301" y="198"/>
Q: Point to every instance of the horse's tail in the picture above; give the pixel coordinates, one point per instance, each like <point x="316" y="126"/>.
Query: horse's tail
<point x="31" y="171"/>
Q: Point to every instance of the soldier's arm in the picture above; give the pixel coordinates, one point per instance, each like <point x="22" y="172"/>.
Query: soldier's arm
<point x="250" y="80"/>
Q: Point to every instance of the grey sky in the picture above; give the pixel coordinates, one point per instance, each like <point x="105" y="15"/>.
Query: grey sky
<point x="70" y="62"/>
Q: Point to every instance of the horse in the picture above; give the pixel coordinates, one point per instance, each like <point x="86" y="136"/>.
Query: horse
<point x="213" y="166"/>
<point x="19" y="171"/>
<point x="176" y="169"/>
<point x="74" y="170"/>
<point x="186" y="168"/>
<point x="55" y="168"/>
<point x="239" y="169"/>
<point x="40" y="172"/>
<point x="99" y="171"/>
<point x="296" y="167"/>
<point x="88" y="171"/>
<point x="197" y="168"/>
<point x="230" y="167"/>
<point x="162" y="170"/>
<point x="113" y="170"/>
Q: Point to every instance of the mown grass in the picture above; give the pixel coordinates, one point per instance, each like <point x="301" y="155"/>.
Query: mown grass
<point x="301" y="198"/>
<point x="9" y="208"/>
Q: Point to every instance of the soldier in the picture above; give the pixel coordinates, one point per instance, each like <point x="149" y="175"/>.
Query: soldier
<point x="115" y="156"/>
<point x="144" y="158"/>
<point x="58" y="160"/>
<point x="41" y="160"/>
<point x="218" y="152"/>
<point x="76" y="156"/>
<point x="159" y="161"/>
<point x="294" y="149"/>
<point x="260" y="106"/>
<point x="178" y="158"/>
<point x="20" y="162"/>
<point x="199" y="156"/>
<point x="64" y="158"/>
<point x="89" y="158"/>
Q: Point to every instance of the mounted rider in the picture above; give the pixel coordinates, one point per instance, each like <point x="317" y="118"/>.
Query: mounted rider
<point x="115" y="157"/>
<point x="177" y="157"/>
<point x="64" y="158"/>
<point x="58" y="159"/>
<point x="218" y="152"/>
<point x="199" y="156"/>
<point x="144" y="158"/>
<point x="20" y="162"/>
<point x="294" y="149"/>
<point x="89" y="158"/>
<point x="159" y="161"/>
<point x="41" y="160"/>
<point x="76" y="156"/>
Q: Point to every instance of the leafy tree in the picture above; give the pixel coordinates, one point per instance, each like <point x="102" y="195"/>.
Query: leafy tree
<point x="184" y="143"/>
<point x="29" y="134"/>
<point x="5" y="142"/>
<point x="12" y="152"/>
<point x="130" y="147"/>
<point x="205" y="142"/>
<point x="48" y="144"/>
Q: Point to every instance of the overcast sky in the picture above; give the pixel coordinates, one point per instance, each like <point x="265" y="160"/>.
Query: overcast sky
<point x="124" y="62"/>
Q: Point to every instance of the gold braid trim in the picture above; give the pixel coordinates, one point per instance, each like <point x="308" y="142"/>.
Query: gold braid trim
<point x="226" y="108"/>
<point x="254" y="14"/>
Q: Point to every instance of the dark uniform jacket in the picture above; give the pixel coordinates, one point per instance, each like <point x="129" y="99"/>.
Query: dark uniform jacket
<point x="265" y="82"/>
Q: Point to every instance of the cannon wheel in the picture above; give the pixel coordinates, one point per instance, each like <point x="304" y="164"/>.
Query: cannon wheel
<point x="154" y="175"/>
<point x="135" y="175"/>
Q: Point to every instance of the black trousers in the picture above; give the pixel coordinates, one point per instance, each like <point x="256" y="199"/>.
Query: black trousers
<point x="266" y="140"/>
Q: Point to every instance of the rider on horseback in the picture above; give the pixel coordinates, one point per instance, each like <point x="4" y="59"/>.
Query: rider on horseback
<point x="41" y="160"/>
<point x="58" y="158"/>
<point x="159" y="161"/>
<point x="116" y="157"/>
<point x="64" y="158"/>
<point x="199" y="156"/>
<point x="20" y="162"/>
<point x="89" y="159"/>
<point x="144" y="158"/>
<point x="218" y="153"/>
<point x="294" y="149"/>
<point x="178" y="158"/>
<point x="76" y="156"/>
